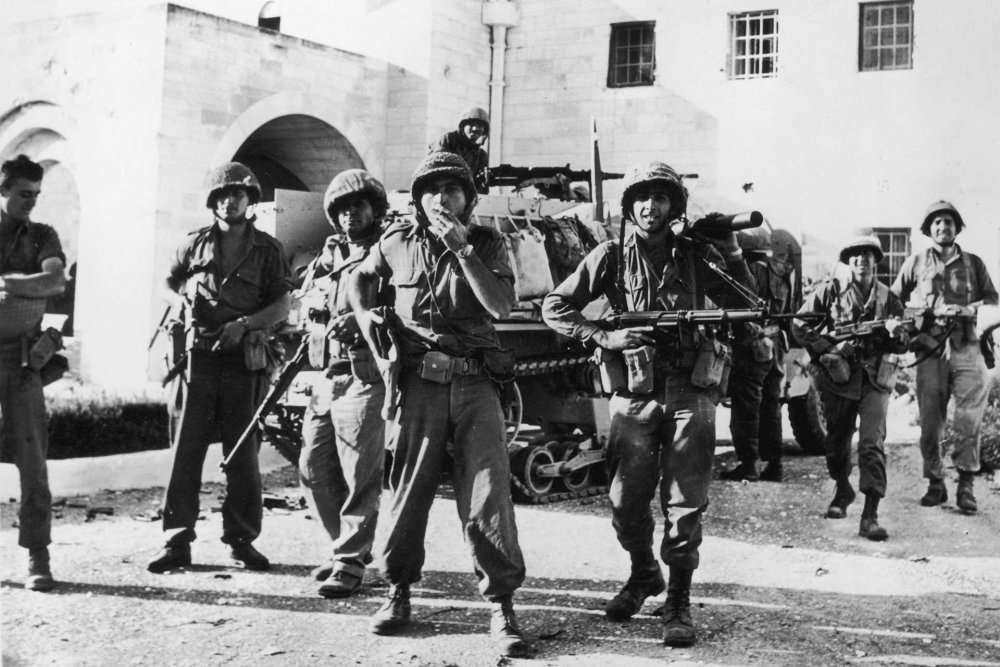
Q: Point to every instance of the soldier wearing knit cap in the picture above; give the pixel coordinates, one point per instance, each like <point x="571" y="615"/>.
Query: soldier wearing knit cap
<point x="948" y="280"/>
<point x="451" y="280"/>
<point x="232" y="281"/>
<point x="343" y="434"/>
<point x="855" y="377"/>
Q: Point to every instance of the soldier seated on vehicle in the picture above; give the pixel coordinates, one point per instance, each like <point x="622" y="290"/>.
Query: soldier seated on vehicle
<point x="855" y="376"/>
<point x="663" y="414"/>
<point x="467" y="142"/>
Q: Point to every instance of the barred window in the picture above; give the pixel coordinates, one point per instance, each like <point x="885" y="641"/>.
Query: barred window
<point x="896" y="244"/>
<point x="632" y="58"/>
<point x="886" y="40"/>
<point x="753" y="45"/>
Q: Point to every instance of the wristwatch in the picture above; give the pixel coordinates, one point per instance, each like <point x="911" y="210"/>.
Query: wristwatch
<point x="464" y="252"/>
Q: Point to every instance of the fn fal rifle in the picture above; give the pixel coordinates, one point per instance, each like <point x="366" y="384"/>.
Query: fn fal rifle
<point x="867" y="329"/>
<point x="280" y="386"/>
<point x="667" y="320"/>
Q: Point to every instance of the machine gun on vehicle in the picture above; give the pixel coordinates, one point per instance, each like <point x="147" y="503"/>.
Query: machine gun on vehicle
<point x="274" y="395"/>
<point x="545" y="178"/>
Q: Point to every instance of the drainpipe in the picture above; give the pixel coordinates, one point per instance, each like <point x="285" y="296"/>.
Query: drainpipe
<point x="498" y="15"/>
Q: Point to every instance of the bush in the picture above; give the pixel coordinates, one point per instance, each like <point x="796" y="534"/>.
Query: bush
<point x="84" y="422"/>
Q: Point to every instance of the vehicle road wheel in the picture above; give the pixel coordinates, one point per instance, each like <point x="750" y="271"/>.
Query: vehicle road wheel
<point x="577" y="480"/>
<point x="806" y="416"/>
<point x="525" y="466"/>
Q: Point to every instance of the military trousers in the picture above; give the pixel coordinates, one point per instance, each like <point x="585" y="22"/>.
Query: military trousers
<point x="221" y="397"/>
<point x="866" y="415"/>
<point x="466" y="414"/>
<point x="664" y="440"/>
<point x="341" y="465"/>
<point x="24" y="437"/>
<point x="755" y="407"/>
<point x="961" y="373"/>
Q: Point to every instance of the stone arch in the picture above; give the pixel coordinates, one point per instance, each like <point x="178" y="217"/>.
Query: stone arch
<point x="295" y="104"/>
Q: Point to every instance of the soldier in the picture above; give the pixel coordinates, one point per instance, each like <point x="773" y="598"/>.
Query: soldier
<point x="451" y="280"/>
<point x="662" y="433"/>
<point x="758" y="368"/>
<point x="855" y="377"/>
<point x="947" y="279"/>
<point x="31" y="269"/>
<point x="343" y="432"/>
<point x="467" y="142"/>
<point x="235" y="283"/>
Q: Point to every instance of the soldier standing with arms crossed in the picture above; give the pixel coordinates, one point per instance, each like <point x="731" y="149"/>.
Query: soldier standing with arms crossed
<point x="236" y="282"/>
<point x="31" y="267"/>
<point x="855" y="377"/>
<point x="947" y="279"/>
<point x="343" y="432"/>
<point x="662" y="434"/>
<point x="451" y="280"/>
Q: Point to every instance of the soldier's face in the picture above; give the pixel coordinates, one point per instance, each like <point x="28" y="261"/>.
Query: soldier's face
<point x="19" y="197"/>
<point x="943" y="229"/>
<point x="475" y="132"/>
<point x="231" y="205"/>
<point x="862" y="264"/>
<point x="356" y="217"/>
<point x="446" y="192"/>
<point x="651" y="209"/>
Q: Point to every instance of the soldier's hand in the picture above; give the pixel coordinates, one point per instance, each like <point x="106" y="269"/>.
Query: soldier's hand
<point x="624" y="339"/>
<point x="230" y="334"/>
<point x="447" y="227"/>
<point x="368" y="322"/>
<point x="343" y="328"/>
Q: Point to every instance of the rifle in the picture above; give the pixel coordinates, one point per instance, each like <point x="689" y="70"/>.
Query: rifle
<point x="665" y="320"/>
<point x="865" y="329"/>
<point x="280" y="386"/>
<point x="506" y="174"/>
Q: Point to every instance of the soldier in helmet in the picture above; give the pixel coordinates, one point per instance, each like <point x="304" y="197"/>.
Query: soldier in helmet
<point x="948" y="280"/>
<point x="451" y="281"/>
<point x="343" y="432"/>
<point x="467" y="142"/>
<point x="758" y="367"/>
<point x="662" y="432"/>
<point x="855" y="377"/>
<point x="233" y="282"/>
<point x="31" y="269"/>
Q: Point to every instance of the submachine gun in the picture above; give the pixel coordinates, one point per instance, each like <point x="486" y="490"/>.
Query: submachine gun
<point x="861" y="330"/>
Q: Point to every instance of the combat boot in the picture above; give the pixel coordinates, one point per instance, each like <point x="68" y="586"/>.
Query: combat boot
<point x="340" y="584"/>
<point x="746" y="470"/>
<point x="841" y="499"/>
<point x="171" y="558"/>
<point x="39" y="576"/>
<point x="394" y="614"/>
<point x="247" y="557"/>
<point x="869" y="527"/>
<point x="963" y="497"/>
<point x="678" y="629"/>
<point x="628" y="602"/>
<point x="322" y="572"/>
<point x="504" y="630"/>
<point x="773" y="471"/>
<point x="936" y="494"/>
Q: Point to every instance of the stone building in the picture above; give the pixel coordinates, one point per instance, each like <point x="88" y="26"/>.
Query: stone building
<point x="824" y="115"/>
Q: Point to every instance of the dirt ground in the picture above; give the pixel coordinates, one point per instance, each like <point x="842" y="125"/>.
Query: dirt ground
<point x="778" y="585"/>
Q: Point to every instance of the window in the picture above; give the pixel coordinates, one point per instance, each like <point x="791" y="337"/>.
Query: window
<point x="632" y="58"/>
<point x="896" y="244"/>
<point x="753" y="45"/>
<point x="886" y="40"/>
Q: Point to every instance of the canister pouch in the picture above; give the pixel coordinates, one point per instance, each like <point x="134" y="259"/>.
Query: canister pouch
<point x="612" y="370"/>
<point x="436" y="367"/>
<point x="254" y="350"/>
<point x="836" y="367"/>
<point x="888" y="370"/>
<point x="639" y="368"/>
<point x="762" y="349"/>
<point x="363" y="365"/>
<point x="499" y="364"/>
<point x="710" y="365"/>
<point x="44" y="347"/>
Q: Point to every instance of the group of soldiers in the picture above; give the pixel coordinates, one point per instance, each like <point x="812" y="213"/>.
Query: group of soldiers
<point x="401" y="324"/>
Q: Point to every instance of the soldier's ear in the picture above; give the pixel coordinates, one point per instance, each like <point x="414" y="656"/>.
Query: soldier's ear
<point x="471" y="207"/>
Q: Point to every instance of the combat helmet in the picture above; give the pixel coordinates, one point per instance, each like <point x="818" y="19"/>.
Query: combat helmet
<point x="654" y="172"/>
<point x="941" y="206"/>
<point x="232" y="174"/>
<point x="437" y="165"/>
<point x="756" y="240"/>
<point x="350" y="183"/>
<point x="862" y="242"/>
<point x="474" y="114"/>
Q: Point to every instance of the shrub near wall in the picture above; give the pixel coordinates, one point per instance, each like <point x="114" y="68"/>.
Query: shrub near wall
<point x="86" y="422"/>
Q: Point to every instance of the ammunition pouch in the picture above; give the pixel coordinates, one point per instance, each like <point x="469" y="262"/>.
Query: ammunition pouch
<point x="54" y="369"/>
<point x="255" y="350"/>
<point x="611" y="367"/>
<point x="836" y="367"/>
<point x="439" y="367"/>
<point x="888" y="371"/>
<point x="639" y="369"/>
<point x="762" y="349"/>
<point x="712" y="365"/>
<point x="43" y="348"/>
